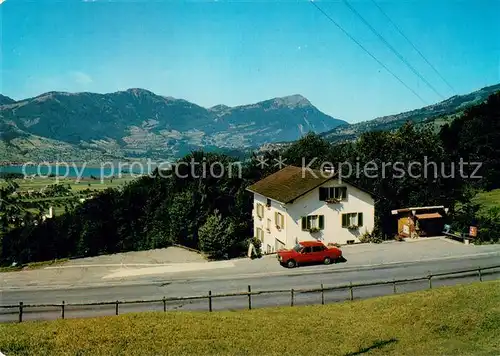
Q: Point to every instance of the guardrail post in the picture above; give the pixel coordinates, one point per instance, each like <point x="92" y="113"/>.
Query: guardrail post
<point x="20" y="312"/>
<point x="164" y="304"/>
<point x="62" y="310"/>
<point x="291" y="298"/>
<point x="351" y="292"/>
<point x="480" y="275"/>
<point x="322" y="295"/>
<point x="249" y="297"/>
<point x="116" y="308"/>
<point x="394" y="287"/>
<point x="209" y="300"/>
<point x="430" y="281"/>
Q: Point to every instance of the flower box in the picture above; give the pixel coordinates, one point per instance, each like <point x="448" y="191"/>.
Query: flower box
<point x="332" y="201"/>
<point x="313" y="230"/>
<point x="353" y="227"/>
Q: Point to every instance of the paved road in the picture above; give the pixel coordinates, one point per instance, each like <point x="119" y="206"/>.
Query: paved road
<point x="300" y="278"/>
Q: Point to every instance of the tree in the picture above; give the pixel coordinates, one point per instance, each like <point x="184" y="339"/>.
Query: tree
<point x="216" y="236"/>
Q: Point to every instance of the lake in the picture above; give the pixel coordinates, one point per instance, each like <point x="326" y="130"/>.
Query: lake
<point x="74" y="171"/>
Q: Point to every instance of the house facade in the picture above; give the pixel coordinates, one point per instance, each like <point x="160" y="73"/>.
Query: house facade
<point x="295" y="204"/>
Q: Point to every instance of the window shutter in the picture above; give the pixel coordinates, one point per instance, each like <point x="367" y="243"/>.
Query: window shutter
<point x="276" y="218"/>
<point x="344" y="220"/>
<point x="321" y="222"/>
<point x="322" y="193"/>
<point x="360" y="219"/>
<point x="344" y="193"/>
<point x="304" y="223"/>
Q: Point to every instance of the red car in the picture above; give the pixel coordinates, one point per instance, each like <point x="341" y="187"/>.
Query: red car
<point x="309" y="252"/>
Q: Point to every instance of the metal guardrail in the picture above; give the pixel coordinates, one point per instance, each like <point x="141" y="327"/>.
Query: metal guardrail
<point x="21" y="306"/>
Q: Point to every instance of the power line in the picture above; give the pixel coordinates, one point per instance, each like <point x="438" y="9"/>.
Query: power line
<point x="392" y="48"/>
<point x="414" y="47"/>
<point x="368" y="52"/>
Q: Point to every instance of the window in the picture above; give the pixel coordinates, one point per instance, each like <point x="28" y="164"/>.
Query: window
<point x="268" y="227"/>
<point x="306" y="249"/>
<point x="279" y="219"/>
<point x="313" y="222"/>
<point x="326" y="193"/>
<point x="352" y="219"/>
<point x="268" y="203"/>
<point x="260" y="210"/>
<point x="318" y="248"/>
<point x="260" y="234"/>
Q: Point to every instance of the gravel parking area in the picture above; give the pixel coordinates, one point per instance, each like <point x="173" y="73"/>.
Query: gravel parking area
<point x="158" y="256"/>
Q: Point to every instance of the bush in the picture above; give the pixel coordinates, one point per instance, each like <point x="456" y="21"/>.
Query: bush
<point x="257" y="244"/>
<point x="399" y="238"/>
<point x="372" y="237"/>
<point x="216" y="236"/>
<point x="333" y="244"/>
<point x="489" y="226"/>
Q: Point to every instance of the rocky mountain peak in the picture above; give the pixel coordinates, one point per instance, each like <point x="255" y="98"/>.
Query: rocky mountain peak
<point x="292" y="101"/>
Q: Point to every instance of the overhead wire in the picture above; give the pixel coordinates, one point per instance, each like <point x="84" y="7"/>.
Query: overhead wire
<point x="414" y="47"/>
<point x="367" y="51"/>
<point x="392" y="49"/>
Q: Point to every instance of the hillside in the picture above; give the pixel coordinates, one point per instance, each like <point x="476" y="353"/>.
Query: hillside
<point x="6" y="100"/>
<point x="139" y="123"/>
<point x="437" y="114"/>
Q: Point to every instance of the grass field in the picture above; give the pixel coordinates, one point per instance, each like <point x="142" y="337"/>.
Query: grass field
<point x="461" y="320"/>
<point x="38" y="184"/>
<point x="488" y="199"/>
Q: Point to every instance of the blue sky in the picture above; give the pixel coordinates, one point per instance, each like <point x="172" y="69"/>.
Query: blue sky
<point x="236" y="52"/>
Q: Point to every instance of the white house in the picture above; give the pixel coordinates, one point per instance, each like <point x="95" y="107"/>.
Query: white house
<point x="297" y="204"/>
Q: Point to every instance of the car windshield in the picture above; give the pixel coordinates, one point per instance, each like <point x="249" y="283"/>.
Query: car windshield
<point x="297" y="247"/>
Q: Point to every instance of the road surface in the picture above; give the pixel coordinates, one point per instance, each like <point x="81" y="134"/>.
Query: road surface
<point x="157" y="287"/>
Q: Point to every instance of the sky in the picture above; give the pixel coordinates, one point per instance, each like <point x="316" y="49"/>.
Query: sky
<point x="241" y="52"/>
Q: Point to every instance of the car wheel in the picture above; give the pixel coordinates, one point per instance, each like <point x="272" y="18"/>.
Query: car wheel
<point x="291" y="264"/>
<point x="327" y="261"/>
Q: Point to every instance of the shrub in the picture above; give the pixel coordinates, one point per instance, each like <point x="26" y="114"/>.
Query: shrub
<point x="216" y="236"/>
<point x="399" y="238"/>
<point x="257" y="244"/>
<point x="372" y="237"/>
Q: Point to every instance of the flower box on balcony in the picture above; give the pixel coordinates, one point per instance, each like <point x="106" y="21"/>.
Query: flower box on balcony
<point x="353" y="227"/>
<point x="313" y="230"/>
<point x="332" y="201"/>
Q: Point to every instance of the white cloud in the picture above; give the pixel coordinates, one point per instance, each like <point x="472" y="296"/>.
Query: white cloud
<point x="81" y="78"/>
<point x="2" y="1"/>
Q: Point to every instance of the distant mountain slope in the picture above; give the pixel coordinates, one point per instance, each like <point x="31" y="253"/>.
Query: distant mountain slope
<point x="139" y="123"/>
<point x="440" y="113"/>
<point x="6" y="100"/>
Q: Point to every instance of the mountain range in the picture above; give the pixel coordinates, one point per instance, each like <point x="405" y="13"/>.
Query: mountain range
<point x="436" y="114"/>
<point x="139" y="123"/>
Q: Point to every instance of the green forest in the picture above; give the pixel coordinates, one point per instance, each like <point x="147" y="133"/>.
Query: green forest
<point x="215" y="214"/>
